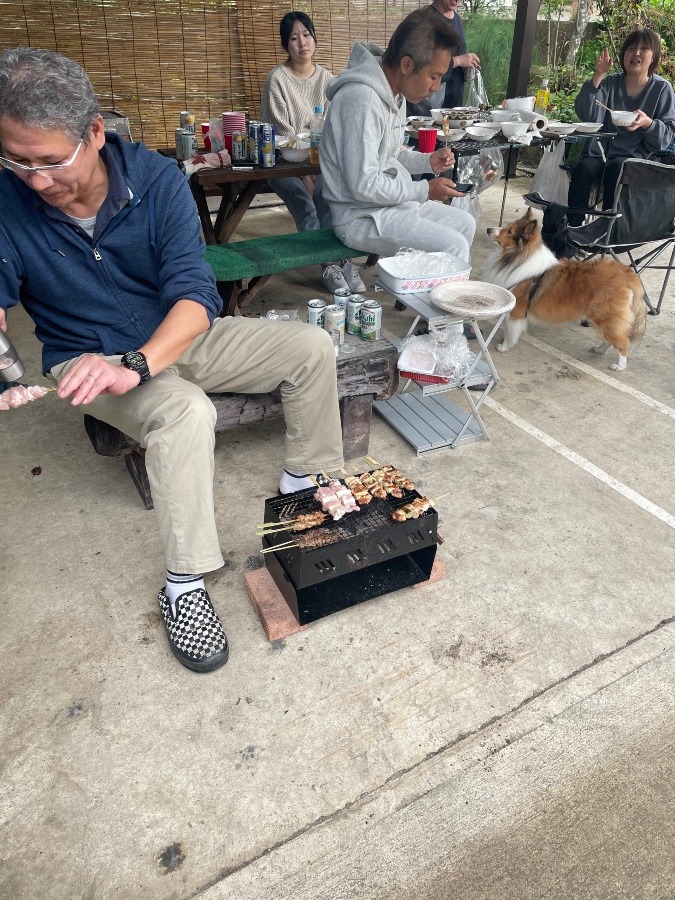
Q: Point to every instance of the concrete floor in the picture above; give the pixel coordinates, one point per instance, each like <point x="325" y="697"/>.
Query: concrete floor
<point x="507" y="732"/>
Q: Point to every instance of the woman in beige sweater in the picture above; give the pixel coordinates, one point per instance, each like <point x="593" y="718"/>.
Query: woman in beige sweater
<point x="292" y="91"/>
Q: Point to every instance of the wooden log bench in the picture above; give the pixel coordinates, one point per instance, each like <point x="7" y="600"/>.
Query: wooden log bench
<point x="243" y="267"/>
<point x="365" y="374"/>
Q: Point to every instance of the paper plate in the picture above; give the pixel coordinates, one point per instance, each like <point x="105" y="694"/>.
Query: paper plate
<point x="472" y="299"/>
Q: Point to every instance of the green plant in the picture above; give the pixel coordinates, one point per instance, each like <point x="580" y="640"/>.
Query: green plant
<point x="491" y="39"/>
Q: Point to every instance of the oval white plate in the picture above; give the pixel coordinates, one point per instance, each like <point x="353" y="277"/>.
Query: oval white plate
<point x="473" y="299"/>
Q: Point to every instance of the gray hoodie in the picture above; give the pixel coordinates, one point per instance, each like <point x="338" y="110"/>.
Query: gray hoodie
<point x="364" y="165"/>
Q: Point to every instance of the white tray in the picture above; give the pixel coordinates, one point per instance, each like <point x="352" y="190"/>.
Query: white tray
<point x="415" y="284"/>
<point x="473" y="299"/>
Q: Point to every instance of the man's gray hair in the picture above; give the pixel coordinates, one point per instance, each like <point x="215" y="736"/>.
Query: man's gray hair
<point x="48" y="91"/>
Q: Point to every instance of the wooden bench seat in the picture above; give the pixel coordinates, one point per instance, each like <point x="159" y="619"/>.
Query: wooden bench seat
<point x="365" y="374"/>
<point x="242" y="267"/>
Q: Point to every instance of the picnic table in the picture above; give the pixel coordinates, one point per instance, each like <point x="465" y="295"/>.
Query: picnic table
<point x="238" y="186"/>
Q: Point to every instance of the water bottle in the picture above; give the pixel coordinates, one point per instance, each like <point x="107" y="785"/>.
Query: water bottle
<point x="542" y="98"/>
<point x="315" y="129"/>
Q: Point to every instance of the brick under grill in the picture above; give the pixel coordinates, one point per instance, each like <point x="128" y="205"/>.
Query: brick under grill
<point x="373" y="555"/>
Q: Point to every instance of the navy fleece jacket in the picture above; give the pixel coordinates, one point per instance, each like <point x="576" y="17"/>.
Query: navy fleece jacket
<point x="109" y="296"/>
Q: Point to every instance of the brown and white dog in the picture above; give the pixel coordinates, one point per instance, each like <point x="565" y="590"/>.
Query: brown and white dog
<point x="606" y="293"/>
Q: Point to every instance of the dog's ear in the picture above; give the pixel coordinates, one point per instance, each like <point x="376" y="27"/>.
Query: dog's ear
<point x="530" y="227"/>
<point x="528" y="214"/>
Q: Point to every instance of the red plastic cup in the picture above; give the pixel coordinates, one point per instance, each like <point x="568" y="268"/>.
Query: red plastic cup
<point x="426" y="139"/>
<point x="205" y="136"/>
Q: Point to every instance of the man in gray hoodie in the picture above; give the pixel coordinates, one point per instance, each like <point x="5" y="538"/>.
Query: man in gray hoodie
<point x="367" y="172"/>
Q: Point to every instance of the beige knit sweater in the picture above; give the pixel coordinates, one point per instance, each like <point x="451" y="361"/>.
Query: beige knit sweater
<point x="288" y="102"/>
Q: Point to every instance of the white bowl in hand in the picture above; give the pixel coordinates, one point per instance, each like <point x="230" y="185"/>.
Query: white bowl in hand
<point x="622" y="119"/>
<point x="511" y="129"/>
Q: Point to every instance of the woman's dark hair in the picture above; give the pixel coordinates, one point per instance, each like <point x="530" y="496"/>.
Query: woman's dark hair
<point x="287" y="23"/>
<point x="642" y="37"/>
<point x="419" y="36"/>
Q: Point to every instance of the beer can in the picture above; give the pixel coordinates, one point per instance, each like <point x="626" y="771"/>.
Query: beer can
<point x="254" y="141"/>
<point x="315" y="312"/>
<point x="239" y="146"/>
<point x="354" y="305"/>
<point x="267" y="149"/>
<point x="334" y="320"/>
<point x="371" y="321"/>
<point x="187" y="120"/>
<point x="186" y="144"/>
<point x="341" y="296"/>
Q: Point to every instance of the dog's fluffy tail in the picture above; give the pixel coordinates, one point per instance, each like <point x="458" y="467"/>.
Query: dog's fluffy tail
<point x="639" y="308"/>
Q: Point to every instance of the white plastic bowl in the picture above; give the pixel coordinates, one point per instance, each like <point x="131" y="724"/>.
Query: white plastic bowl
<point x="588" y="127"/>
<point x="621" y="119"/>
<point x="521" y="103"/>
<point x="511" y="129"/>
<point x="561" y="128"/>
<point x="504" y="115"/>
<point x="295" y="154"/>
<point x="481" y="132"/>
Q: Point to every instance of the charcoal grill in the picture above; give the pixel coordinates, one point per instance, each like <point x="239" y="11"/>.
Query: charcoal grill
<point x="372" y="556"/>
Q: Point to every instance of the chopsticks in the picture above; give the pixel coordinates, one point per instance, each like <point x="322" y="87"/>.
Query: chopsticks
<point x="603" y="106"/>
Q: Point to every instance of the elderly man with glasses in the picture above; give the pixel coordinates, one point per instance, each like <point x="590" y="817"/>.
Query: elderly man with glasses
<point x="100" y="242"/>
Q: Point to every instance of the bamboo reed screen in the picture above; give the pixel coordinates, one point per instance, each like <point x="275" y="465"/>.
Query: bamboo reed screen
<point x="150" y="59"/>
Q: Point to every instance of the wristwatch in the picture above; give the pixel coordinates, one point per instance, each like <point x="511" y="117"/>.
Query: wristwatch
<point x="137" y="363"/>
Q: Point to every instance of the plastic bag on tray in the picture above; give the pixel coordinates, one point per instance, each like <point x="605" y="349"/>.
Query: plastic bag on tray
<point x="443" y="352"/>
<point x="216" y="135"/>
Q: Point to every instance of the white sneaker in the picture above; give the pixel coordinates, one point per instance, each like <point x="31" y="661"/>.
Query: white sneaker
<point x="333" y="279"/>
<point x="352" y="276"/>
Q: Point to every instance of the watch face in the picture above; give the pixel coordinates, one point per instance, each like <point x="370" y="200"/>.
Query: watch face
<point x="133" y="360"/>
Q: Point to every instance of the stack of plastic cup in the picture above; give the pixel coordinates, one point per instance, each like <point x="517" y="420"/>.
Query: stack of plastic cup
<point x="232" y="121"/>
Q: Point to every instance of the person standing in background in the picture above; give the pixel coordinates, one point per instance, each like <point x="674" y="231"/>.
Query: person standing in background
<point x="462" y="67"/>
<point x="291" y="93"/>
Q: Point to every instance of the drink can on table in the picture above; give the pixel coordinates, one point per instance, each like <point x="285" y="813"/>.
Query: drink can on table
<point x="267" y="146"/>
<point x="354" y="305"/>
<point x="239" y="146"/>
<point x="315" y="312"/>
<point x="254" y="141"/>
<point x="186" y="144"/>
<point x="341" y="296"/>
<point x="371" y="321"/>
<point x="187" y="120"/>
<point x="334" y="320"/>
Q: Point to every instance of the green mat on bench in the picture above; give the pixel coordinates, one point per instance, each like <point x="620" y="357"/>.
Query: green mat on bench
<point x="277" y="253"/>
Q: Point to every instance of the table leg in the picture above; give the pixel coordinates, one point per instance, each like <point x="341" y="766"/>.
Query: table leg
<point x="226" y="226"/>
<point x="203" y="210"/>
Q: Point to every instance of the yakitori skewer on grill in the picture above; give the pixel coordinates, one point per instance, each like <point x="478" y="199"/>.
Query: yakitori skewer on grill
<point x="399" y="478"/>
<point x="361" y="493"/>
<point x="299" y="523"/>
<point x="336" y="499"/>
<point x="374" y="486"/>
<point x="412" y="510"/>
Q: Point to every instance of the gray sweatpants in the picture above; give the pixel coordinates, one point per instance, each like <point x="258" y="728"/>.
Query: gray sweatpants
<point x="172" y="417"/>
<point x="429" y="226"/>
<point x="310" y="212"/>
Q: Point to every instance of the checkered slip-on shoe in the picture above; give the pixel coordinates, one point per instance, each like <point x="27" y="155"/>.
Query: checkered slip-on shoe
<point x="195" y="634"/>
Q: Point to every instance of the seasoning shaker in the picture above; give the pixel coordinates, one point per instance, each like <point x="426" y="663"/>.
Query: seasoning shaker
<point x="11" y="367"/>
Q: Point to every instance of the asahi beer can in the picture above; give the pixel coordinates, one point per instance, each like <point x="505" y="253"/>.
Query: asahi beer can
<point x="239" y="146"/>
<point x="266" y="146"/>
<point x="315" y="312"/>
<point x="187" y="120"/>
<point x="334" y="320"/>
<point x="254" y="141"/>
<point x="186" y="143"/>
<point x="354" y="305"/>
<point x="371" y="321"/>
<point x="341" y="296"/>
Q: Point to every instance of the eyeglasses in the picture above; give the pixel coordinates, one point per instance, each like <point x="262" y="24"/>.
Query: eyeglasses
<point x="39" y="170"/>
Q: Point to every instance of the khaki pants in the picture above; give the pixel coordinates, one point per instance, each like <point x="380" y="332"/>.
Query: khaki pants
<point x="174" y="420"/>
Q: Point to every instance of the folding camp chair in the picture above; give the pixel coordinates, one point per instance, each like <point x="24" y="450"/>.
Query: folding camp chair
<point x="643" y="212"/>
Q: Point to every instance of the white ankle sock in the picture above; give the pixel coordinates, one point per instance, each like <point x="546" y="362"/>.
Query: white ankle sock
<point x="181" y="584"/>
<point x="291" y="482"/>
